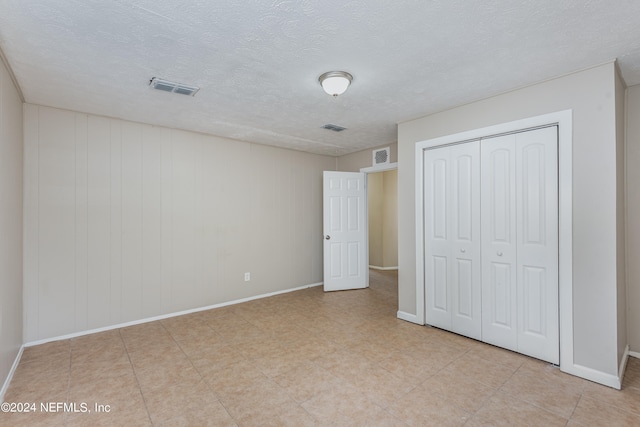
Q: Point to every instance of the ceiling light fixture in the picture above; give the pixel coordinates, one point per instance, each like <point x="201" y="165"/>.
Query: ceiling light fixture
<point x="335" y="82"/>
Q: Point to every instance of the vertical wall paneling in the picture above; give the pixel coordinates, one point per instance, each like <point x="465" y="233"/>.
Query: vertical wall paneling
<point x="56" y="223"/>
<point x="81" y="221"/>
<point x="116" y="231"/>
<point x="183" y="236"/>
<point x="12" y="200"/>
<point x="125" y="221"/>
<point x="131" y="221"/>
<point x="98" y="222"/>
<point x="201" y="196"/>
<point x="31" y="226"/>
<point x="211" y="191"/>
<point x="151" y="220"/>
<point x="166" y="194"/>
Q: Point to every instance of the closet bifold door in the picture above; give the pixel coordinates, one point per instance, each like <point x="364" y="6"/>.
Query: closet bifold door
<point x="452" y="238"/>
<point x="499" y="315"/>
<point x="520" y="242"/>
<point x="537" y="244"/>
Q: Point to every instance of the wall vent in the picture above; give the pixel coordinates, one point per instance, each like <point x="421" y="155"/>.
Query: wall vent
<point x="168" y="86"/>
<point x="334" y="128"/>
<point x="381" y="156"/>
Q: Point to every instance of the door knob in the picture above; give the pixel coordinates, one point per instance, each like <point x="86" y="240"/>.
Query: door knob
<point x="499" y="253"/>
<point x="328" y="237"/>
<point x="463" y="250"/>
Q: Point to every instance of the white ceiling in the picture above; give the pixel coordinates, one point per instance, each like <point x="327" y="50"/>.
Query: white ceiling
<point x="257" y="61"/>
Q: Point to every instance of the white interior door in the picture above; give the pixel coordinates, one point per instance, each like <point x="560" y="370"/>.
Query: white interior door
<point x="345" y="231"/>
<point x="452" y="238"/>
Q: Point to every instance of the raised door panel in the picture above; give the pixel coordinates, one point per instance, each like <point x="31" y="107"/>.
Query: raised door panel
<point x="537" y="244"/>
<point x="498" y="210"/>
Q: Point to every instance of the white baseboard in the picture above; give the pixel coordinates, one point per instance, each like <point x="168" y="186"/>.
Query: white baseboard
<point x="590" y="374"/>
<point x="166" y="316"/>
<point x="403" y="315"/>
<point x="12" y="371"/>
<point x="375" y="267"/>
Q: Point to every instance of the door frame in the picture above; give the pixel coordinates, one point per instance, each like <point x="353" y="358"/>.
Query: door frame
<point x="563" y="119"/>
<point x="367" y="171"/>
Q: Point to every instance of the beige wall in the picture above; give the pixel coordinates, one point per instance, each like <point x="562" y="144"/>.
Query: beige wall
<point x="375" y="199"/>
<point x="633" y="215"/>
<point x="10" y="224"/>
<point x="591" y="95"/>
<point x="364" y="159"/>
<point x="383" y="218"/>
<point x="390" y="215"/>
<point x="124" y="221"/>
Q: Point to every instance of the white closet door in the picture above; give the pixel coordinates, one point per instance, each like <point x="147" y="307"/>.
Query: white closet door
<point x="466" y="285"/>
<point x="499" y="245"/>
<point x="437" y="237"/>
<point x="520" y="243"/>
<point x="537" y="244"/>
<point x="452" y="228"/>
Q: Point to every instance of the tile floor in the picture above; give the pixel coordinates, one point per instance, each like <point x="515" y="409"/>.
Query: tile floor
<point x="306" y="358"/>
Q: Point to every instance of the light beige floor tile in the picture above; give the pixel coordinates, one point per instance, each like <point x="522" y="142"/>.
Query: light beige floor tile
<point x="305" y="381"/>
<point x="33" y="419"/>
<point x="194" y="346"/>
<point x="178" y="372"/>
<point x="307" y="358"/>
<point x="130" y="412"/>
<point x="507" y="411"/>
<point x="52" y="350"/>
<point x="632" y="373"/>
<point x="593" y="412"/>
<point x="627" y="399"/>
<point x="545" y="386"/>
<point x="218" y="358"/>
<point x="284" y="415"/>
<point x="498" y="355"/>
<point x="168" y="403"/>
<point x="483" y="370"/>
<point x="264" y="346"/>
<point x="89" y="370"/>
<point x="462" y="390"/>
<point x="278" y="364"/>
<point x="233" y="379"/>
<point x="260" y="398"/>
<point x="151" y="357"/>
<point x="422" y="408"/>
<point x="341" y="405"/>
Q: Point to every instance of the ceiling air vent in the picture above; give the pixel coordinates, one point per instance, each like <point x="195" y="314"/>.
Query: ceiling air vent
<point x="381" y="156"/>
<point x="334" y="128"/>
<point x="174" y="87"/>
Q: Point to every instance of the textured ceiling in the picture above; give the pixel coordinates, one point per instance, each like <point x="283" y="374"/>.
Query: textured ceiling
<point x="257" y="61"/>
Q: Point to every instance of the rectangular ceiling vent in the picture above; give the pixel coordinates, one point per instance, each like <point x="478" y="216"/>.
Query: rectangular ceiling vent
<point x="334" y="128"/>
<point x="174" y="87"/>
<point x="381" y="156"/>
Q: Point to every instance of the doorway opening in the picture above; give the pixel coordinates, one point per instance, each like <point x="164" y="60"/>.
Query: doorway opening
<point x="382" y="200"/>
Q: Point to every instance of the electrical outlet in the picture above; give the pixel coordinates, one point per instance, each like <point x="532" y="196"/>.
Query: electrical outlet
<point x="247" y="277"/>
